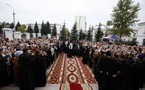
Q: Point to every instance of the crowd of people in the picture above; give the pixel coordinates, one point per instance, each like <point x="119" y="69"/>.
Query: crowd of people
<point x="115" y="66"/>
<point x="24" y="62"/>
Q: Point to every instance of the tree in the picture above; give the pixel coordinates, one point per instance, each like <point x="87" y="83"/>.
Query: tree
<point x="74" y="35"/>
<point x="47" y="28"/>
<point x="54" y="31"/>
<point x="109" y="23"/>
<point x="12" y="25"/>
<point x="36" y="29"/>
<point x="2" y="26"/>
<point x="63" y="33"/>
<point x="1" y="29"/>
<point x="21" y="28"/>
<point x="7" y="25"/>
<point x="84" y="36"/>
<point x="30" y="30"/>
<point x="124" y="15"/>
<point x="43" y="29"/>
<point x="99" y="33"/>
<point x="67" y="34"/>
<point x="17" y="25"/>
<point x="89" y="35"/>
<point x="81" y="35"/>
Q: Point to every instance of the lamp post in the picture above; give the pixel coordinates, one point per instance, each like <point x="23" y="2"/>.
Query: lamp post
<point x="13" y="15"/>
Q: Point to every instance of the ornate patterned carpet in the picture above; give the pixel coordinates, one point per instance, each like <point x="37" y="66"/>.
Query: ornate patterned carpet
<point x="71" y="73"/>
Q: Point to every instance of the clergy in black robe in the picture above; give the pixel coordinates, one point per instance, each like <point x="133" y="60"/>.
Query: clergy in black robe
<point x="91" y="57"/>
<point x="3" y="72"/>
<point x="86" y="55"/>
<point x="82" y="48"/>
<point x="96" y="57"/>
<point x="26" y="71"/>
<point x="40" y="70"/>
<point x="49" y="60"/>
<point x="105" y="72"/>
<point x="123" y="74"/>
<point x="99" y="73"/>
<point x="143" y="61"/>
<point x="137" y="74"/>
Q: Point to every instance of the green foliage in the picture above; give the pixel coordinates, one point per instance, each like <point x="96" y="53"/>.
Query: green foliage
<point x="2" y="26"/>
<point x="67" y="33"/>
<point x="89" y="35"/>
<point x="54" y="31"/>
<point x="63" y="33"/>
<point x="124" y="15"/>
<point x="99" y="34"/>
<point x="43" y="29"/>
<point x="109" y="23"/>
<point x="1" y="29"/>
<point x="17" y="25"/>
<point x="81" y="35"/>
<point x="74" y="35"/>
<point x="84" y="36"/>
<point x="29" y="29"/>
<point x="47" y="28"/>
<point x="36" y="29"/>
<point x="12" y="25"/>
<point x="21" y="28"/>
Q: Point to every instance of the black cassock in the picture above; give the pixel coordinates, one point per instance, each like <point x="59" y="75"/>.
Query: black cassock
<point x="3" y="72"/>
<point x="49" y="58"/>
<point x="137" y="75"/>
<point x="104" y="73"/>
<point x="86" y="55"/>
<point x="27" y="81"/>
<point x="91" y="58"/>
<point x="96" y="59"/>
<point x="82" y="49"/>
<point x="124" y="75"/>
<point x="40" y="71"/>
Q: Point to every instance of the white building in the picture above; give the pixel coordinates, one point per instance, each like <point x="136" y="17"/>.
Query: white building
<point x="17" y="35"/>
<point x="8" y="33"/>
<point x="81" y="22"/>
<point x="141" y="33"/>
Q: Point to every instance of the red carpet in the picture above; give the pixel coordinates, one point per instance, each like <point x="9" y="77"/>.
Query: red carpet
<point x="71" y="72"/>
<point x="75" y="87"/>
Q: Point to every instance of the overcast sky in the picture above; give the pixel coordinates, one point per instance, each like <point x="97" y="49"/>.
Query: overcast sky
<point x="58" y="11"/>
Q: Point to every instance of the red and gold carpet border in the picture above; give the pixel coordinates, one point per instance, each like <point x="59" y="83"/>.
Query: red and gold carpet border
<point x="70" y="70"/>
